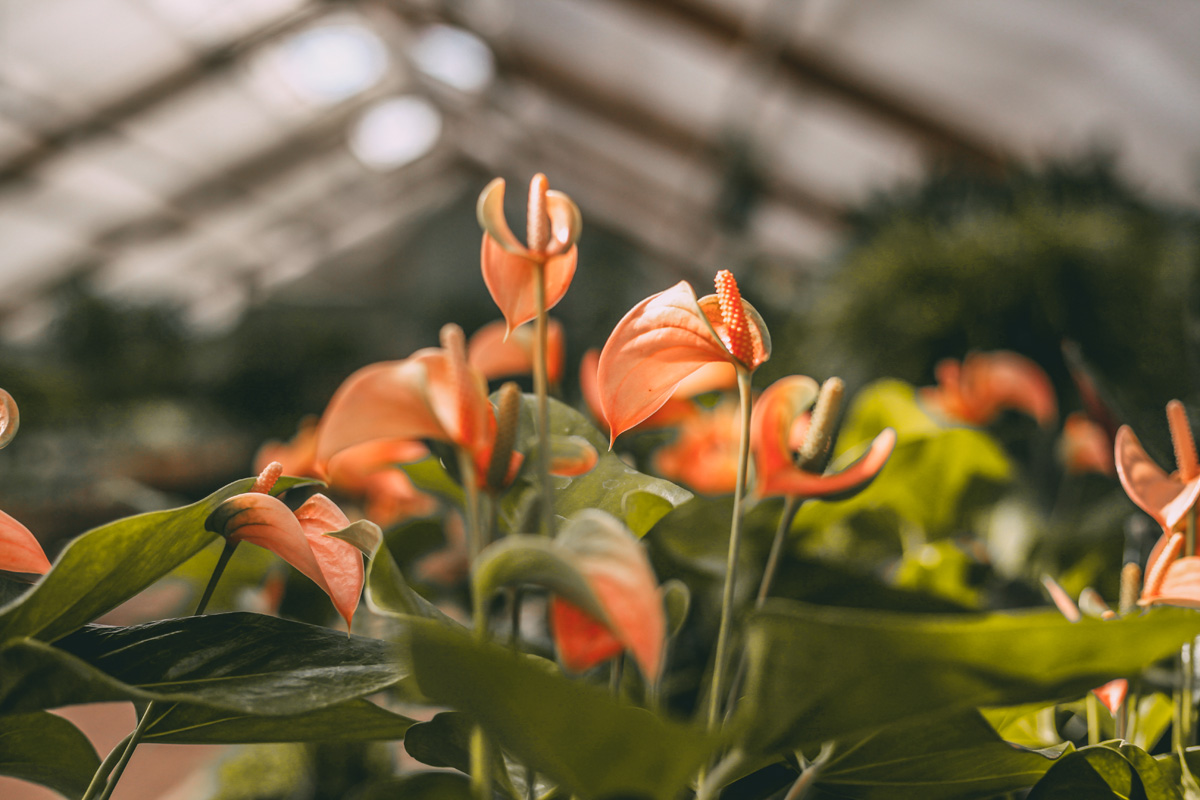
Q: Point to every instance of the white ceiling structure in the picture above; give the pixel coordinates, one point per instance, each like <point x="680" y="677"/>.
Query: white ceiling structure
<point x="205" y="151"/>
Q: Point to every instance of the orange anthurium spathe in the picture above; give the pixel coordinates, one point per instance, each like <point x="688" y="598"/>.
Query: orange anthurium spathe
<point x="297" y="537"/>
<point x="985" y="384"/>
<point x="1167" y="498"/>
<point x="668" y="337"/>
<point x="773" y="434"/>
<point x="510" y="269"/>
<point x="499" y="353"/>
<point x="432" y="394"/>
<point x="19" y="549"/>
<point x="704" y="457"/>
<point x="1085" y="446"/>
<point x="616" y="567"/>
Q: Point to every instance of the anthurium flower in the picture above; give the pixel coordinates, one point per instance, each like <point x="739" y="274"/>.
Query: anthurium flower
<point x="1113" y="693"/>
<point x="704" y="456"/>
<point x="298" y="538"/>
<point x="1166" y="498"/>
<point x="668" y="337"/>
<point x="1172" y="580"/>
<point x="1085" y="446"/>
<point x="497" y="353"/>
<point x="774" y="443"/>
<point x="985" y="384"/>
<point x="618" y="571"/>
<point x="432" y="394"/>
<point x="510" y="269"/>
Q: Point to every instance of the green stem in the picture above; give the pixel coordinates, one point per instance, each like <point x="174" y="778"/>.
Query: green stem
<point x="1187" y="691"/>
<point x="614" y="675"/>
<point x="540" y="382"/>
<point x="1093" y="719"/>
<point x="481" y="775"/>
<point x="735" y="540"/>
<point x="114" y="764"/>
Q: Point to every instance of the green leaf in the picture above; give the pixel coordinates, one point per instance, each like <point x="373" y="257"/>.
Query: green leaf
<point x="445" y="741"/>
<point x="389" y="594"/>
<point x="43" y="748"/>
<point x="574" y="733"/>
<point x="522" y="559"/>
<point x="818" y="673"/>
<point x="108" y="565"/>
<point x="239" y="662"/>
<point x="349" y="721"/>
<point x="930" y="476"/>
<point x="1109" y="770"/>
<point x="430" y="476"/>
<point x="612" y="485"/>
<point x="363" y="534"/>
<point x="956" y="757"/>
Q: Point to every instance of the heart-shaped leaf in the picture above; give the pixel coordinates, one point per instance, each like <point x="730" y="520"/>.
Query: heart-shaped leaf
<point x="349" y="721"/>
<point x="1111" y="770"/>
<point x="43" y="748"/>
<point x="574" y="733"/>
<point x="108" y="565"/>
<point x="238" y="662"/>
<point x="445" y="741"/>
<point x="819" y="673"/>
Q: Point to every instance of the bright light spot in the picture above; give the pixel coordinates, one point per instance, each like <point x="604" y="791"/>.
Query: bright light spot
<point x="332" y="62"/>
<point x="396" y="131"/>
<point x="455" y="57"/>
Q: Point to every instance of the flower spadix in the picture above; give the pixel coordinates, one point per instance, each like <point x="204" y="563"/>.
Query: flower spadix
<point x="668" y="337"/>
<point x="19" y="548"/>
<point x="510" y="268"/>
<point x="298" y="537"/>
<point x="985" y="384"/>
<point x="779" y="431"/>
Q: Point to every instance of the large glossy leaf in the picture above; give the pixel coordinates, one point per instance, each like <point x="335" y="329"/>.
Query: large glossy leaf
<point x="820" y="673"/>
<point x="1113" y="770"/>
<point x="574" y="733"/>
<point x="349" y="721"/>
<point x="636" y="499"/>
<point x="526" y="559"/>
<point x="956" y="757"/>
<point x="43" y="748"/>
<point x="932" y="471"/>
<point x="108" y="565"/>
<point x="390" y="595"/>
<point x="240" y="662"/>
<point x="445" y="741"/>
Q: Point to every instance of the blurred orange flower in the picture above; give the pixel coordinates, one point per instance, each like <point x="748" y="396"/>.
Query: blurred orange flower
<point x="985" y="384"/>
<point x="704" y="456"/>
<point x="1085" y="446"/>
<point x="499" y="353"/>
<point x="19" y="549"/>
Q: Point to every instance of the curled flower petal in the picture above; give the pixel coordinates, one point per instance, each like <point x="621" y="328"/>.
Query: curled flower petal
<point x="1164" y="497"/>
<point x="582" y="641"/>
<point x="19" y="549"/>
<point x="660" y="342"/>
<point x="498" y="354"/>
<point x="987" y="383"/>
<point x="1179" y="586"/>
<point x="1085" y="446"/>
<point x="265" y="521"/>
<point x="341" y="563"/>
<point x="618" y="571"/>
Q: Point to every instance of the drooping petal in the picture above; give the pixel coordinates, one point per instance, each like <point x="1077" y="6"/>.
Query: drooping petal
<point x="489" y="210"/>
<point x="388" y="400"/>
<point x="566" y="223"/>
<point x="340" y="562"/>
<point x="775" y="413"/>
<point x="265" y="521"/>
<point x="662" y="340"/>
<point x="798" y="483"/>
<point x="497" y="354"/>
<point x="19" y="549"/>
<point x="619" y="573"/>
<point x="1085" y="446"/>
<point x="1162" y="496"/>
